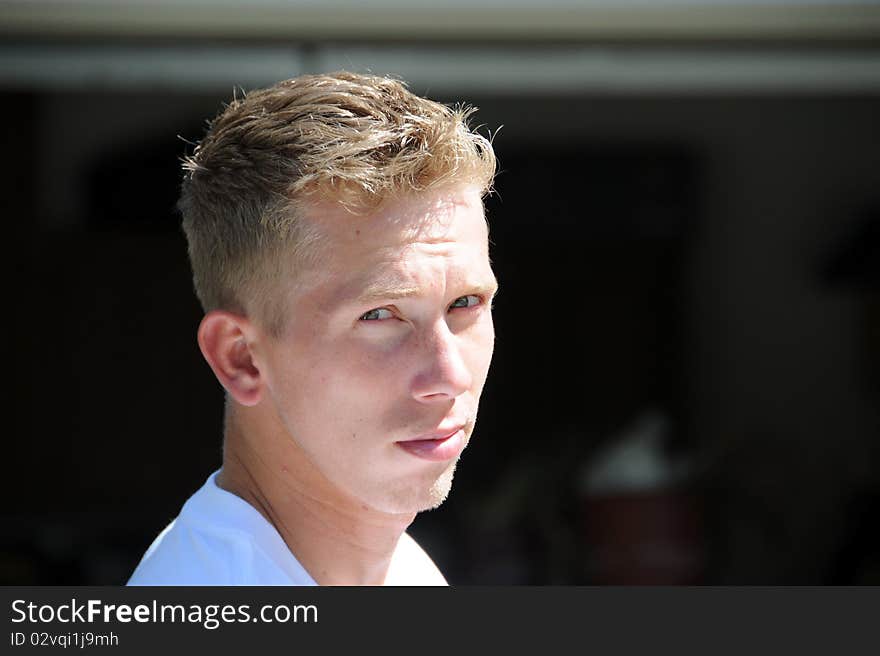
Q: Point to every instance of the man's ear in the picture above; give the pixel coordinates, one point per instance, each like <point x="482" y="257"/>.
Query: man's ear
<point x="225" y="338"/>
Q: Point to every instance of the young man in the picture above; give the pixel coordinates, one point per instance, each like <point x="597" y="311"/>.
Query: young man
<point x="339" y="248"/>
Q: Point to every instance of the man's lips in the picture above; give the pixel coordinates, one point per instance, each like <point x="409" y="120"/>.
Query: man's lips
<point x="436" y="447"/>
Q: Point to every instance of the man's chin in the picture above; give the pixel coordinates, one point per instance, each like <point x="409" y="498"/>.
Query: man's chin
<point x="418" y="497"/>
<point x="440" y="489"/>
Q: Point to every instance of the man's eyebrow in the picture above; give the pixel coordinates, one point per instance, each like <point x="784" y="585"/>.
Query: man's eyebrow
<point x="488" y="288"/>
<point x="383" y="292"/>
<point x="387" y="292"/>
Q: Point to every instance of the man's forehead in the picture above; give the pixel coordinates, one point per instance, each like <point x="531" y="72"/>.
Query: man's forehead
<point x="429" y="216"/>
<point x="357" y="256"/>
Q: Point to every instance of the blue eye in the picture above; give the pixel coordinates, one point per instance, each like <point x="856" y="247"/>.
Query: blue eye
<point x="377" y="314"/>
<point x="465" y="302"/>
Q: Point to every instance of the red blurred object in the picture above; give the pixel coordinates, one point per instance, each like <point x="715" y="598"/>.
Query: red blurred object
<point x="644" y="538"/>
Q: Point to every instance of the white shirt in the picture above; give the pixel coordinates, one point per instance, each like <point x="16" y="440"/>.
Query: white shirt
<point x="220" y="539"/>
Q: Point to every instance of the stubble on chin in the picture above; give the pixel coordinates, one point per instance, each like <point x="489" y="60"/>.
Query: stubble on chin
<point x="440" y="488"/>
<point x="415" y="498"/>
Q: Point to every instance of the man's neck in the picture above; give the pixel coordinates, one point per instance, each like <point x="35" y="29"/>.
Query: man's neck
<point x="338" y="540"/>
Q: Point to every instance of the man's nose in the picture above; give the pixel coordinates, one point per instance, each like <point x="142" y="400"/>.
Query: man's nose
<point x="444" y="374"/>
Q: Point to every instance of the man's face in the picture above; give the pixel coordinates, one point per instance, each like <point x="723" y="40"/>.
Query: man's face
<point x="378" y="372"/>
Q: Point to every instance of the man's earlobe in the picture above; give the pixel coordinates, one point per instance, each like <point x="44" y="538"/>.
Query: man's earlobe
<point x="223" y="340"/>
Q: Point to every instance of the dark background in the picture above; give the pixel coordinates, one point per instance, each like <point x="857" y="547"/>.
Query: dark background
<point x="697" y="271"/>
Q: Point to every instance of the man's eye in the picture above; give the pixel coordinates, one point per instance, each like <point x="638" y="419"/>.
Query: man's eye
<point x="377" y="315"/>
<point x="465" y="302"/>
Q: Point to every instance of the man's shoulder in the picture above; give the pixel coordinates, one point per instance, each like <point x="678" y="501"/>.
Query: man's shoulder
<point x="184" y="555"/>
<point x="218" y="539"/>
<point x="411" y="565"/>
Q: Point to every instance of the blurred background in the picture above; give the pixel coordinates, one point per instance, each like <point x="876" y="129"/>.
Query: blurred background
<point x="687" y="234"/>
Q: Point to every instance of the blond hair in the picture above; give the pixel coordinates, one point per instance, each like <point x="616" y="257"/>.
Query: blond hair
<point x="355" y="139"/>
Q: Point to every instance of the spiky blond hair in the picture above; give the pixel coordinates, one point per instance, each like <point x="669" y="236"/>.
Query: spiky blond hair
<point x="359" y="140"/>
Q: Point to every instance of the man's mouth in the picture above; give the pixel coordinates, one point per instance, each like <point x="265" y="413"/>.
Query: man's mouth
<point x="436" y="447"/>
